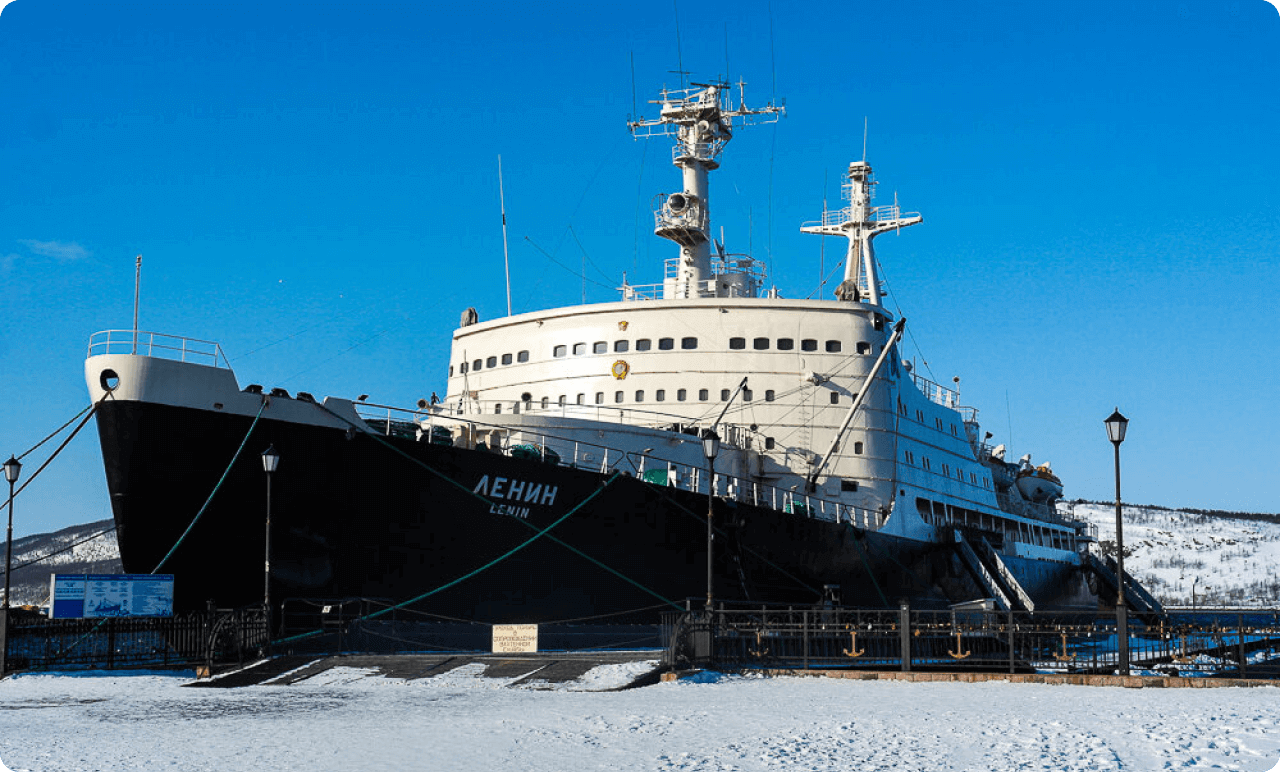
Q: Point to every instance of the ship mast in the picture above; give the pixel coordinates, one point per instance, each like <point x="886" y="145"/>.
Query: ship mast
<point x="859" y="222"/>
<point x="702" y="120"/>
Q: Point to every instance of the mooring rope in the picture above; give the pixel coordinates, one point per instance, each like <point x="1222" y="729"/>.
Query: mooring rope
<point x="92" y="409"/>
<point x="212" y="493"/>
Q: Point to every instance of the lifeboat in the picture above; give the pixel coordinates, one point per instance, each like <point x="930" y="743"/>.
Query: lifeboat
<point x="1039" y="484"/>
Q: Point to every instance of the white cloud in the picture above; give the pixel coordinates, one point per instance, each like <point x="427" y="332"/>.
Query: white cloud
<point x="62" y="250"/>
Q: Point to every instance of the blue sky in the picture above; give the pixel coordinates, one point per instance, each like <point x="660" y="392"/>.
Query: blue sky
<point x="315" y="187"/>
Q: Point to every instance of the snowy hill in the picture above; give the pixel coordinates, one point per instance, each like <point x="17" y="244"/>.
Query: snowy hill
<point x="81" y="549"/>
<point x="1224" y="558"/>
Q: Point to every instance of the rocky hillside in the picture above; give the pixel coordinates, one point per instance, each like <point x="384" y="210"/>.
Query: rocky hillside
<point x="80" y="549"/>
<point x="1194" y="557"/>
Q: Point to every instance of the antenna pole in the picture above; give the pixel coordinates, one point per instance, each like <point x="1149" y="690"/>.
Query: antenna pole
<point x="506" y="260"/>
<point x="137" y="284"/>
<point x="864" y="139"/>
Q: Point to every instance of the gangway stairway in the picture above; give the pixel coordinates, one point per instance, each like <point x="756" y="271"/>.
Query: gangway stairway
<point x="1135" y="595"/>
<point x="991" y="573"/>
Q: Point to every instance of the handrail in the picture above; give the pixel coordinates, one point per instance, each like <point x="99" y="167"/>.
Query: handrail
<point x="158" y="345"/>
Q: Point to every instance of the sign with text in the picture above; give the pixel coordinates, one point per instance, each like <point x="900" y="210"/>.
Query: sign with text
<point x="515" y="639"/>
<point x="110" y="595"/>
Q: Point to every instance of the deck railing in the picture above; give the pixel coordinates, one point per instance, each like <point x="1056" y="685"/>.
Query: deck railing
<point x="158" y="345"/>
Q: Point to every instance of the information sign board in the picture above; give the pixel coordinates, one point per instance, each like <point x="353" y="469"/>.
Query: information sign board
<point x="515" y="639"/>
<point x="111" y="595"/>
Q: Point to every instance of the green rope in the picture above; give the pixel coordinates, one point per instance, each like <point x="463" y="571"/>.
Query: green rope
<point x="213" y="492"/>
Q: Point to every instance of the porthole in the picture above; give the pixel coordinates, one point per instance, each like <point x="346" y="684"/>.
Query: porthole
<point x="109" y="379"/>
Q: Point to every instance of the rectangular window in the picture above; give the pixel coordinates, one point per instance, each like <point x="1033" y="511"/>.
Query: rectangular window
<point x="927" y="466"/>
<point x="476" y="365"/>
<point x="786" y="344"/>
<point x="491" y="362"/>
<point x="582" y="399"/>
<point x="724" y="395"/>
<point x="835" y="398"/>
<point x="864" y="347"/>
<point x="644" y="344"/>
<point x="688" y="343"/>
<point x="562" y="400"/>
<point x="746" y="395"/>
<point x="579" y="349"/>
<point x="462" y="367"/>
<point x="660" y="395"/>
<point x="559" y="351"/>
<point x="768" y="443"/>
<point x="544" y="403"/>
<point x="808" y="344"/>
<point x="703" y="395"/>
<point x="760" y="344"/>
<point x="600" y="347"/>
<point x="848" y="486"/>
<point x="621" y="346"/>
<point x="857" y="448"/>
<point x="617" y="396"/>
<point x="506" y="359"/>
<point x="450" y="371"/>
<point x="737" y="344"/>
<point x="768" y="395"/>
<point x="639" y="395"/>
<point x="666" y="344"/>
<point x="833" y="347"/>
<point x="920" y="416"/>
<point x="497" y="408"/>
<point x="599" y="397"/>
<point x="523" y="356"/>
<point x="946" y="470"/>
<point x="938" y="421"/>
<point x="681" y="395"/>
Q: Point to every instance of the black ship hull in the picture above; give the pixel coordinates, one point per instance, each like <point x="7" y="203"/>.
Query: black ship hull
<point x="480" y="536"/>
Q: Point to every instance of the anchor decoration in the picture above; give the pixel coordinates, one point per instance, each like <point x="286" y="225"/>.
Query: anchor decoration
<point x="956" y="654"/>
<point x="1064" y="656"/>
<point x="1184" y="658"/>
<point x="853" y="651"/>
<point x="759" y="651"/>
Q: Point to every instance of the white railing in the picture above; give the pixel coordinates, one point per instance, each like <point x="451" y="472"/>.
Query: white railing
<point x="578" y="454"/>
<point x="157" y="345"/>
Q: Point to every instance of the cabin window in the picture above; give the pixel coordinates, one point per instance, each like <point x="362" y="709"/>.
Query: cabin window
<point x="491" y="362"/>
<point x="666" y="344"/>
<point x="986" y="483"/>
<point x="953" y="431"/>
<point x="768" y="395"/>
<point x="618" y="397"/>
<point x="746" y="395"/>
<point x="582" y="399"/>
<point x="946" y="470"/>
<point x="559" y="351"/>
<point x="857" y="448"/>
<point x="864" y="347"/>
<point x="561" y="400"/>
<point x="660" y="395"/>
<point x="973" y="478"/>
<point x="450" y="371"/>
<point x="621" y="346"/>
<point x="639" y="395"/>
<point x="760" y="344"/>
<point x="737" y="344"/>
<point x="600" y="347"/>
<point x="681" y="395"/>
<point x="478" y="364"/>
<point x="724" y="395"/>
<point x="911" y="457"/>
<point x="808" y="344"/>
<point x="768" y="443"/>
<point x="938" y="421"/>
<point x="545" y="400"/>
<point x="920" y="416"/>
<point x="833" y="347"/>
<point x="507" y="359"/>
<point x="927" y="466"/>
<point x="579" y="349"/>
<point x="688" y="343"/>
<point x="497" y="408"/>
<point x="644" y="344"/>
<point x="848" y="486"/>
<point x="523" y="356"/>
<point x="902" y="408"/>
<point x="878" y="323"/>
<point x="835" y="398"/>
<point x="599" y="397"/>
<point x="703" y="395"/>
<point x="786" y="344"/>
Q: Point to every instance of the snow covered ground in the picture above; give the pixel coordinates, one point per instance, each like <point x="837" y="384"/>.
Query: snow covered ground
<point x="349" y="719"/>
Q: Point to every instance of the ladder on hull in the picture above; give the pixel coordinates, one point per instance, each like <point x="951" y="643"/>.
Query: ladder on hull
<point x="1135" y="595"/>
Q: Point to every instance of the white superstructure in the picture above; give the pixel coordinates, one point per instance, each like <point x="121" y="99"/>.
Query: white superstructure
<point x="638" y="378"/>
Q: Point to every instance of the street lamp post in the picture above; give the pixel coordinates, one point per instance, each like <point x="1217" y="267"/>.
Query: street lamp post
<point x="1116" y="427"/>
<point x="710" y="447"/>
<point x="12" y="468"/>
<point x="270" y="460"/>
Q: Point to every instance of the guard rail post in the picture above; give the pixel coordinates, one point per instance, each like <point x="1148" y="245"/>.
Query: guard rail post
<point x="904" y="635"/>
<point x="1012" y="656"/>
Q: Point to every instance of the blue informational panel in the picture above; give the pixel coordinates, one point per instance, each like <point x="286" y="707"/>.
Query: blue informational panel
<point x="111" y="595"/>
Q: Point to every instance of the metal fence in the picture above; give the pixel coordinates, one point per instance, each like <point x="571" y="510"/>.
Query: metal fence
<point x="207" y="638"/>
<point x="1235" y="643"/>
